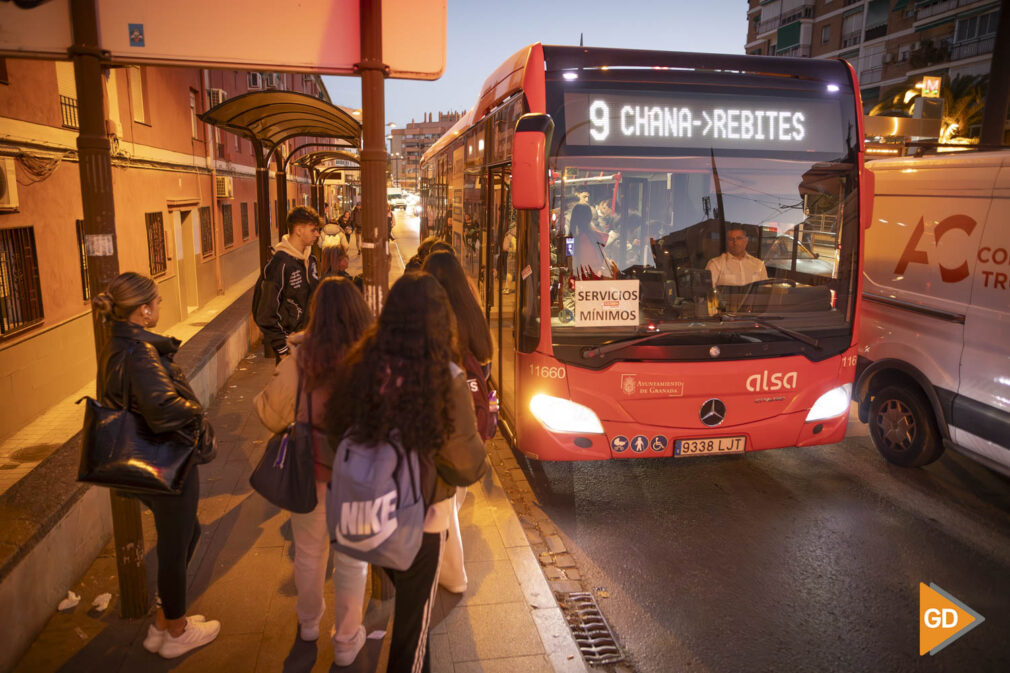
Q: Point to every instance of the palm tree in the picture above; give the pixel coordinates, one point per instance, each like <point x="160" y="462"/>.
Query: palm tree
<point x="963" y="102"/>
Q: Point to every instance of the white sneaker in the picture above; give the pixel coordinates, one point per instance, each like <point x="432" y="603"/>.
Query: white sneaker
<point x="197" y="634"/>
<point x="345" y="652"/>
<point x="155" y="636"/>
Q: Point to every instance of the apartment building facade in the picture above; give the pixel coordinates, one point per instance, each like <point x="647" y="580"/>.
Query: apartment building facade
<point x="888" y="42"/>
<point x="408" y="144"/>
<point x="185" y="203"/>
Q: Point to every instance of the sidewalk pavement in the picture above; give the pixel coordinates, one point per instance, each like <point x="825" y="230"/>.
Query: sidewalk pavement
<point x="507" y="620"/>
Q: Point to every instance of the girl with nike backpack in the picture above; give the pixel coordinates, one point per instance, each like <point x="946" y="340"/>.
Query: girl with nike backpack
<point x="403" y="386"/>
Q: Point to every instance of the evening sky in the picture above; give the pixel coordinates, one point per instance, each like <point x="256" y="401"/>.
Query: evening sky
<point x="482" y="34"/>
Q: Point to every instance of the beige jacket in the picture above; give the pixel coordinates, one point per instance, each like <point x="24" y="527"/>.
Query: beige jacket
<point x="275" y="406"/>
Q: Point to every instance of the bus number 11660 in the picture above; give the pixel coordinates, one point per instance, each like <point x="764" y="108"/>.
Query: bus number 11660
<point x="545" y="372"/>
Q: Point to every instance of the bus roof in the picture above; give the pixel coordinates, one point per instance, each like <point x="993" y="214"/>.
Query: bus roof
<point x="513" y="74"/>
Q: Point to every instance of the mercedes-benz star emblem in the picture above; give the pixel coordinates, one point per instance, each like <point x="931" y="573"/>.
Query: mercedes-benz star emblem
<point x="713" y="412"/>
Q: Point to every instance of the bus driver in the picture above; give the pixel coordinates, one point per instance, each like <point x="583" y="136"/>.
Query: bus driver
<point x="735" y="266"/>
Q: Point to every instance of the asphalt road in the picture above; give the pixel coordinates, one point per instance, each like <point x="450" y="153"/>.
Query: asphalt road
<point x="787" y="560"/>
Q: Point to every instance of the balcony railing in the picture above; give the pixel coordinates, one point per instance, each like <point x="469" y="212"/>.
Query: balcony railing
<point x="875" y="32"/>
<point x="970" y="48"/>
<point x="940" y="8"/>
<point x="871" y="75"/>
<point x="804" y="11"/>
<point x="849" y="39"/>
<point x="800" y="51"/>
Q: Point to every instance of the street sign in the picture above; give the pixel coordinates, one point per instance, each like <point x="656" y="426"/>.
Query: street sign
<point x="931" y="87"/>
<point x="318" y="36"/>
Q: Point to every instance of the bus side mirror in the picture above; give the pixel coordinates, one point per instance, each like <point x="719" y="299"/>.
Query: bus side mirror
<point x="529" y="161"/>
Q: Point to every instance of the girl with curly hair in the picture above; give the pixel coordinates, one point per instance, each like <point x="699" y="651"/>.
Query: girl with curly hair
<point x="338" y="316"/>
<point x="403" y="376"/>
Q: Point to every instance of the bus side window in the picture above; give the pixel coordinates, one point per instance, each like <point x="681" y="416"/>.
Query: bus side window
<point x="529" y="282"/>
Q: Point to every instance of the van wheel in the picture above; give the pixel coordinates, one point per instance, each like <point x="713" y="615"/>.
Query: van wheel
<point x="903" y="428"/>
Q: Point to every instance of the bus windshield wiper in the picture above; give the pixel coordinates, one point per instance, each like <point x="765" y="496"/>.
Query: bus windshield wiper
<point x="624" y="343"/>
<point x="766" y="321"/>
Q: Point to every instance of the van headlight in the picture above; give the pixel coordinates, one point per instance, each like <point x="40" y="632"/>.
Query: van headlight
<point x="560" y="415"/>
<point x="833" y="403"/>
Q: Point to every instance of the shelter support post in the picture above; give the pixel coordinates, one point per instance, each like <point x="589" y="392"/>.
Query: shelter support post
<point x="103" y="266"/>
<point x="282" y="195"/>
<point x="375" y="253"/>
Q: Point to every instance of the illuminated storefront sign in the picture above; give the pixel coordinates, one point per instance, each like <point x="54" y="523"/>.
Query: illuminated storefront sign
<point x="609" y="119"/>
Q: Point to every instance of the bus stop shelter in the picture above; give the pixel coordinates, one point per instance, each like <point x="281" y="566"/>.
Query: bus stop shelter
<point x="325" y="164"/>
<point x="268" y="119"/>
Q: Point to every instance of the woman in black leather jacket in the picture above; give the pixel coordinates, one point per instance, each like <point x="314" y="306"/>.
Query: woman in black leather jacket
<point x="160" y="394"/>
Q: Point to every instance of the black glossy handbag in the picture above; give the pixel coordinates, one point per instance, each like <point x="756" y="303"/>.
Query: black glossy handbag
<point x="120" y="451"/>
<point x="285" y="475"/>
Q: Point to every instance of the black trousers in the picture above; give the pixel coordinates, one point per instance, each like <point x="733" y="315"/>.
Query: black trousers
<point x="415" y="596"/>
<point x="178" y="532"/>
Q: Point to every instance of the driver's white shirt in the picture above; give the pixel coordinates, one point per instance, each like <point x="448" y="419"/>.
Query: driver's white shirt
<point x="729" y="270"/>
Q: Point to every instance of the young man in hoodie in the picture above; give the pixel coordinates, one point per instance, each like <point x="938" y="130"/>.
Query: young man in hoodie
<point x="281" y="301"/>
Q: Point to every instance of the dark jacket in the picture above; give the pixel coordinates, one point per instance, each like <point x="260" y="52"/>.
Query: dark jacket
<point x="281" y="300"/>
<point x="159" y="391"/>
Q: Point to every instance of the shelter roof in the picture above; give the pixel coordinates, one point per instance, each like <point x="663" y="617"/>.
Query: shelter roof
<point x="271" y="117"/>
<point x="315" y="159"/>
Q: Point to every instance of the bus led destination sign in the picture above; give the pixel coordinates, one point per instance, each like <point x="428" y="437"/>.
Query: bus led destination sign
<point x="671" y="120"/>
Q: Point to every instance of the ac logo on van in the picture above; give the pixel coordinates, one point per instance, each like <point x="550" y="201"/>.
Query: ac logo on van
<point x="764" y="382"/>
<point x="912" y="254"/>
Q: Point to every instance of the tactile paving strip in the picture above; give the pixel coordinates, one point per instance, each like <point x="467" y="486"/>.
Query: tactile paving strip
<point x="591" y="632"/>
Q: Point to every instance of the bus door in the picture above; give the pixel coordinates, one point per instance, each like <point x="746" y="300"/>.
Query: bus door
<point x="500" y="282"/>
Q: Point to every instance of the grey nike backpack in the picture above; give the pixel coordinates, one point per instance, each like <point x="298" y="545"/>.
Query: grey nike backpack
<point x="375" y="507"/>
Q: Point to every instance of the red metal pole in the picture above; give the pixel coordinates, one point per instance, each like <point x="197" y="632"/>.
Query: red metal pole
<point x="375" y="251"/>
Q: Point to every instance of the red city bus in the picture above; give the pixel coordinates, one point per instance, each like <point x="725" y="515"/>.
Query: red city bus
<point x="667" y="246"/>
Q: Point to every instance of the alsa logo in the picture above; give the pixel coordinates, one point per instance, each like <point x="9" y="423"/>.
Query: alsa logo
<point x="763" y="382"/>
<point x="912" y="254"/>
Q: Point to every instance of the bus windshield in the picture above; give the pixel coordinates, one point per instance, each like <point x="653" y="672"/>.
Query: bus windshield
<point x="675" y="244"/>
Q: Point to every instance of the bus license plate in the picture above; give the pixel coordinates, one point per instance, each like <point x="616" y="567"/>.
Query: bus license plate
<point x="685" y="448"/>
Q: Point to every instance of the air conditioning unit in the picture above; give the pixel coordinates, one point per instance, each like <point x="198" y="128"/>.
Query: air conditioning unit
<point x="8" y="185"/>
<point x="113" y="128"/>
<point x="273" y="80"/>
<point x="216" y="96"/>
<point x="255" y="80"/>
<point x="223" y="187"/>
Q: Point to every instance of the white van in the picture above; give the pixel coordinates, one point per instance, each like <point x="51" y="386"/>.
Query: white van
<point x="934" y="333"/>
<point x="396" y="198"/>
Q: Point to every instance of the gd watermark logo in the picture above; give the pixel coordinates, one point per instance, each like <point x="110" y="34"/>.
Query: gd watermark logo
<point x="942" y="619"/>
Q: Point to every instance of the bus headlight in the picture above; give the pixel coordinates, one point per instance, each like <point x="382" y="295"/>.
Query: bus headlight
<point x="833" y="403"/>
<point x="561" y="415"/>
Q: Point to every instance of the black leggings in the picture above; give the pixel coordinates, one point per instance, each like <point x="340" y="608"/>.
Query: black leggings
<point x="178" y="532"/>
<point x="415" y="596"/>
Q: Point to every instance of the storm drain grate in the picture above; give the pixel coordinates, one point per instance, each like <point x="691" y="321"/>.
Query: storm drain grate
<point x="591" y="632"/>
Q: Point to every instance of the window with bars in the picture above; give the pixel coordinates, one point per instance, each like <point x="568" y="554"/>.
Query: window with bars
<point x="82" y="250"/>
<point x="206" y="232"/>
<point x="226" y="225"/>
<point x="20" y="290"/>
<point x="156" y="243"/>
<point x="68" y="111"/>
<point x="244" y="216"/>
